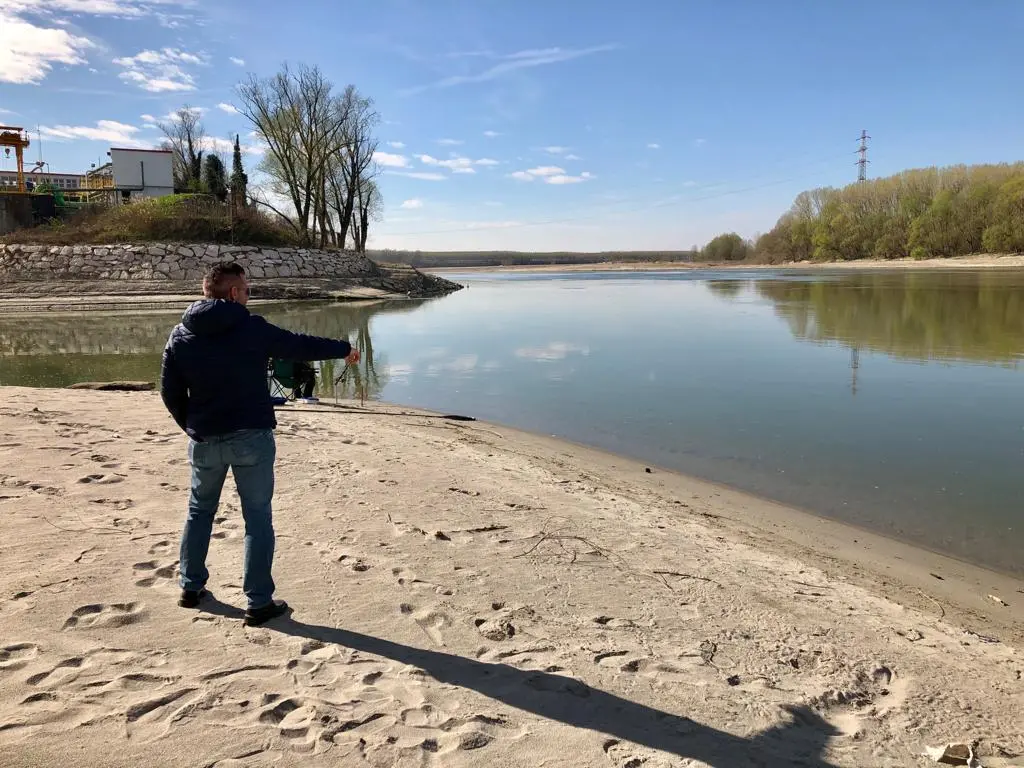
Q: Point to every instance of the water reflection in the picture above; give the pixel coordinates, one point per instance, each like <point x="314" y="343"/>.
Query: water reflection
<point x="975" y="316"/>
<point x="744" y="378"/>
<point x="51" y="350"/>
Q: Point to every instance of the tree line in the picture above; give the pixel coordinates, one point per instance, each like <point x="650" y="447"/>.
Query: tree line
<point x="920" y="213"/>
<point x="318" y="167"/>
<point x="429" y="259"/>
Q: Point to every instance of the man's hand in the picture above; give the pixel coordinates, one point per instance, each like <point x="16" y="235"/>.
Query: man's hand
<point x="353" y="357"/>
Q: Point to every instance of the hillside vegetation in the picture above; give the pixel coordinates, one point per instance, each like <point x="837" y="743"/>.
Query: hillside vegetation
<point x="922" y="213"/>
<point x="187" y="218"/>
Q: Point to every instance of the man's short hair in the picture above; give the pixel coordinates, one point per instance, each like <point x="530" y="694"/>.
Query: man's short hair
<point x="217" y="282"/>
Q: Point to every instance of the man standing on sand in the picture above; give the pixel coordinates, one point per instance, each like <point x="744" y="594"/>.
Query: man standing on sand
<point x="214" y="383"/>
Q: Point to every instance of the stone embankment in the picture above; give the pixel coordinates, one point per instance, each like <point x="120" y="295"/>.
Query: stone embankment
<point x="171" y="269"/>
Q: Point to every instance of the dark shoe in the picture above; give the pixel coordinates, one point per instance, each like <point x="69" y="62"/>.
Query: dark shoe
<point x="191" y="599"/>
<point x="256" y="616"/>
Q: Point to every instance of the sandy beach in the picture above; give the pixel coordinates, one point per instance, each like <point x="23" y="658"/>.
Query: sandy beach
<point x="468" y="595"/>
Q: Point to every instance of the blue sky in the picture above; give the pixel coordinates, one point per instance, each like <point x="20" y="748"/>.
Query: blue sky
<point x="564" y="124"/>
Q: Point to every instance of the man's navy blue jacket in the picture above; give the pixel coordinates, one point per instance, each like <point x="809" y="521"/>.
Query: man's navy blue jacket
<point x="214" y="374"/>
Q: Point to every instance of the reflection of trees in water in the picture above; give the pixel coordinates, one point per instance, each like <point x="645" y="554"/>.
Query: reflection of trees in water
<point x="728" y="289"/>
<point x="975" y="316"/>
<point x="361" y="381"/>
<point x="56" y="350"/>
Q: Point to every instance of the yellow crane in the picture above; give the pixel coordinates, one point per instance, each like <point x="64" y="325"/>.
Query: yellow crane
<point x="11" y="136"/>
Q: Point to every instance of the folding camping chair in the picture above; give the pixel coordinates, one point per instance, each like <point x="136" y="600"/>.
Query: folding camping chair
<point x="281" y="381"/>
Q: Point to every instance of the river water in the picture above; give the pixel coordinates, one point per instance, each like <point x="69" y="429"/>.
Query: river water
<point x="892" y="400"/>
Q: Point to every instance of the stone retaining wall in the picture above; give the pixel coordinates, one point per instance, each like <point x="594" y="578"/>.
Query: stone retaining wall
<point x="155" y="261"/>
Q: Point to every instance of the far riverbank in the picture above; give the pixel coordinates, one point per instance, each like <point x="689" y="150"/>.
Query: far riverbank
<point x="984" y="261"/>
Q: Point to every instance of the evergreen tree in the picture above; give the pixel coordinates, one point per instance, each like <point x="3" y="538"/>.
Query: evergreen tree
<point x="239" y="179"/>
<point x="215" y="178"/>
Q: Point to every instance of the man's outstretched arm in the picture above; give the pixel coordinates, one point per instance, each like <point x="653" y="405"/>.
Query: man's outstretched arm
<point x="286" y="345"/>
<point x="173" y="389"/>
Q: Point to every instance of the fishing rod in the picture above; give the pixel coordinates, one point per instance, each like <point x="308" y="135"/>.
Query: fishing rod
<point x="362" y="403"/>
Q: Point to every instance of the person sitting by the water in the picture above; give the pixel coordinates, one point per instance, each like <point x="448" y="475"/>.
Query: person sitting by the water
<point x="304" y="376"/>
<point x="214" y="383"/>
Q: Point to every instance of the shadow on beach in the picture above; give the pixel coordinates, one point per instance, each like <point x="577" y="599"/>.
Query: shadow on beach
<point x="799" y="742"/>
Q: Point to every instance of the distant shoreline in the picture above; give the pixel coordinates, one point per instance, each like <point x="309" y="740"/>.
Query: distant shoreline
<point x="1013" y="261"/>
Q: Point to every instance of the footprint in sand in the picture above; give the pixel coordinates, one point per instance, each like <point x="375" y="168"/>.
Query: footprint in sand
<point x="162" y="547"/>
<point x="63" y="673"/>
<point x="405" y="577"/>
<point x="354" y="563"/>
<point x="870" y="696"/>
<point x="302" y="722"/>
<point x="100" y="615"/>
<point x="105" y="462"/>
<point x="160" y="574"/>
<point x="17" y="655"/>
<point x="119" y="504"/>
<point x="430" y="621"/>
<point x="496" y="628"/>
<point x="624" y="754"/>
<point x="97" y="479"/>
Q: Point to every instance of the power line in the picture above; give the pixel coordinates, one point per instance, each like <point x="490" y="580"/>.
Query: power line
<point x="862" y="163"/>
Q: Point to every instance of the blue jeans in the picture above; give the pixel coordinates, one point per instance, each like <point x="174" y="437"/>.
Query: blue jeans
<point x="250" y="454"/>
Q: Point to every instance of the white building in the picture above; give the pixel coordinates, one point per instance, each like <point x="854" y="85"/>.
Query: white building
<point x="142" y="172"/>
<point x="63" y="181"/>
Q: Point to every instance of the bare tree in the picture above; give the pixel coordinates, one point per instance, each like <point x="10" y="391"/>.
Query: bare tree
<point x="304" y="127"/>
<point x="185" y="137"/>
<point x="368" y="207"/>
<point x="355" y="166"/>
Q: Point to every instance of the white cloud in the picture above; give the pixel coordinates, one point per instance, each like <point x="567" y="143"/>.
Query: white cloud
<point x="556" y="150"/>
<point x="28" y="52"/>
<point x="227" y="146"/>
<point x="450" y="142"/>
<point x="422" y="176"/>
<point x="412" y="204"/>
<point x="124" y="8"/>
<point x="461" y="364"/>
<point x="236" y="60"/>
<point x="546" y="170"/>
<point x="396" y="145"/>
<point x="556" y="350"/>
<point x="148" y="118"/>
<point x="160" y="71"/>
<point x="231" y="109"/>
<point x="573" y="157"/>
<point x="390" y="160"/>
<point x="491" y="134"/>
<point x="108" y="131"/>
<point x="173" y="114"/>
<point x="456" y="164"/>
<point x="550" y="174"/>
<point x="654" y="146"/>
<point x="699" y="142"/>
<point x="491" y="224"/>
<point x="564" y="179"/>
<point x="515" y="61"/>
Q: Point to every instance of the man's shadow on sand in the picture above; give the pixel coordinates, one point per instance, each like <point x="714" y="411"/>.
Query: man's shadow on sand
<point x="799" y="742"/>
